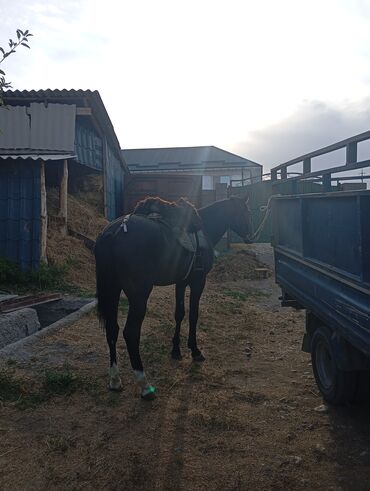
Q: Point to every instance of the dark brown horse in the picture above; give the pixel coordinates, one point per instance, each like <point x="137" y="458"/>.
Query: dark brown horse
<point x="135" y="253"/>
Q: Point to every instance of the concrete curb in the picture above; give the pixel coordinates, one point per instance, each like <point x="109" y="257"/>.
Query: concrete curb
<point x="26" y="342"/>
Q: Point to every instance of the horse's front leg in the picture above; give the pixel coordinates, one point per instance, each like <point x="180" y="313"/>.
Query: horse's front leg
<point x="131" y="333"/>
<point x="196" y="290"/>
<point x="179" y="316"/>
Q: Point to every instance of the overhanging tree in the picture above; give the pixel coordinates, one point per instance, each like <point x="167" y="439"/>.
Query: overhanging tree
<point x="22" y="40"/>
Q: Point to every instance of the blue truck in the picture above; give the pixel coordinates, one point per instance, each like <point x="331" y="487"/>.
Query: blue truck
<point x="322" y="263"/>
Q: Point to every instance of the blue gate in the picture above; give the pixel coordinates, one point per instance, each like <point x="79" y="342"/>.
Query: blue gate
<point x="20" y="209"/>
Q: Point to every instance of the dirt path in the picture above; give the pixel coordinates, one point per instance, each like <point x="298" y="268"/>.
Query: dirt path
<point x="245" y="419"/>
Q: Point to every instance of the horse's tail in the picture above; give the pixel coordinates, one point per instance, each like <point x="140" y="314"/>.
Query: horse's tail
<point x="106" y="293"/>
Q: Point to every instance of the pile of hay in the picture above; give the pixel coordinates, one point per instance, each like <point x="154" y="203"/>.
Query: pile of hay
<point x="236" y="266"/>
<point x="66" y="250"/>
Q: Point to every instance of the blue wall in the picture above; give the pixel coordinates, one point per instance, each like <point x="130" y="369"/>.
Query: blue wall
<point x="115" y="182"/>
<point x="90" y="150"/>
<point x="20" y="209"/>
<point x="88" y="145"/>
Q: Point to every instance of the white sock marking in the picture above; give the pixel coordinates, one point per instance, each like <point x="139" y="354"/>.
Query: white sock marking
<point x="115" y="380"/>
<point x="146" y="388"/>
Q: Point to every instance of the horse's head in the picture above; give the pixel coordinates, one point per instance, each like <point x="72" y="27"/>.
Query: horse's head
<point x="241" y="219"/>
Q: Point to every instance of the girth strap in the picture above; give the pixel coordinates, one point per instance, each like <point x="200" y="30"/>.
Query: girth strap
<point x="197" y="258"/>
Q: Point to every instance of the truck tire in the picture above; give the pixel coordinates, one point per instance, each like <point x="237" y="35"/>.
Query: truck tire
<point x="337" y="386"/>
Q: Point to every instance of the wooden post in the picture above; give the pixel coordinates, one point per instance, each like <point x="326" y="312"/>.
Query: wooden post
<point x="351" y="153"/>
<point x="44" y="214"/>
<point x="63" y="198"/>
<point x="326" y="183"/>
<point x="306" y="166"/>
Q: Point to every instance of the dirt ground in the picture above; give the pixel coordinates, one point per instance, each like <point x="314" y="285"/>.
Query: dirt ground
<point x="249" y="418"/>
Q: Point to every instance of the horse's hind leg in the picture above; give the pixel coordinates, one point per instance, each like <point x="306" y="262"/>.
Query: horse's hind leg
<point x="179" y="316"/>
<point x="136" y="313"/>
<point x="196" y="290"/>
<point x="111" y="332"/>
<point x="114" y="378"/>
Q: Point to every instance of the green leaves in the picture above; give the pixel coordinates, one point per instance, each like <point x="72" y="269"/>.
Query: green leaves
<point x="22" y="40"/>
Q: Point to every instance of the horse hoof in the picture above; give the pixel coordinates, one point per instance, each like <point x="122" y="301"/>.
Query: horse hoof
<point x="115" y="383"/>
<point x="115" y="389"/>
<point x="176" y="355"/>
<point x="198" y="358"/>
<point x="149" y="394"/>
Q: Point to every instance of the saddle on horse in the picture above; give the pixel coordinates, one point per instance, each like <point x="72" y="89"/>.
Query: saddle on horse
<point x="181" y="217"/>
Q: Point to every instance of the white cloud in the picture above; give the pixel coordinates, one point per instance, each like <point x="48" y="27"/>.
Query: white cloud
<point x="197" y="71"/>
<point x="313" y="125"/>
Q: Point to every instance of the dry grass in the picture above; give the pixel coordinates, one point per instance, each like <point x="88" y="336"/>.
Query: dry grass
<point x="243" y="420"/>
<point x="238" y="265"/>
<point x="83" y="218"/>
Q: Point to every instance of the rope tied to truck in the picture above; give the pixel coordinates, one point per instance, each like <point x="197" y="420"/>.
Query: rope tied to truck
<point x="267" y="209"/>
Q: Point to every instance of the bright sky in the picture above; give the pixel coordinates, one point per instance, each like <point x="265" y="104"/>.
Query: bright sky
<point x="268" y="79"/>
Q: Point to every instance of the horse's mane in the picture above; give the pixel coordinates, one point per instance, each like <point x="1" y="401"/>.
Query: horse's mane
<point x="180" y="213"/>
<point x="185" y="202"/>
<point x="151" y="203"/>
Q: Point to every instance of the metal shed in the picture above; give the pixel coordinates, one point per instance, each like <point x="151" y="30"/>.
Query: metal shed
<point x="216" y="166"/>
<point x="56" y="134"/>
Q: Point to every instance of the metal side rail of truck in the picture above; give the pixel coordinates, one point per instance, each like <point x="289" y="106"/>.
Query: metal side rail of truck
<point x="322" y="263"/>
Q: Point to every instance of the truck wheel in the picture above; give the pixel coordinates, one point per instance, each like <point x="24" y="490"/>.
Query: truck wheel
<point x="337" y="386"/>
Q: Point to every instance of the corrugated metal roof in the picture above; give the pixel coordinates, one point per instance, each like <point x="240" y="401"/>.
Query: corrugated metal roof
<point x="183" y="157"/>
<point x="53" y="126"/>
<point x="38" y="127"/>
<point x="11" y="118"/>
<point x="78" y="97"/>
<point x="37" y="156"/>
<point x="49" y="94"/>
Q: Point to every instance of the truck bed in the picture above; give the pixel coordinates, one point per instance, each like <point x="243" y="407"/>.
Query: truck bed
<point x="322" y="258"/>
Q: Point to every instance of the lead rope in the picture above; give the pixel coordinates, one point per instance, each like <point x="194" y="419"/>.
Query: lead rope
<point x="267" y="210"/>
